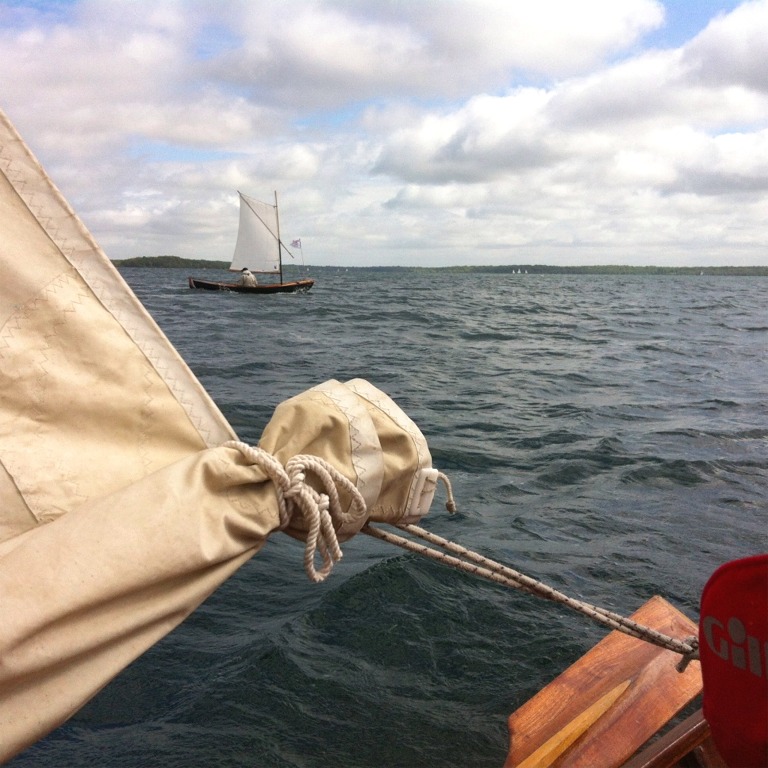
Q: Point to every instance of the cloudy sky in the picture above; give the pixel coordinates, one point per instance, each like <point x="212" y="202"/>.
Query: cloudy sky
<point x="429" y="132"/>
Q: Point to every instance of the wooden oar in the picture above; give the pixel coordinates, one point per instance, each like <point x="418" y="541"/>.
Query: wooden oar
<point x="554" y="747"/>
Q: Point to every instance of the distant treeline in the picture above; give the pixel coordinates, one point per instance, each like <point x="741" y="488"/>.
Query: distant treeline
<point x="172" y="262"/>
<point x="532" y="269"/>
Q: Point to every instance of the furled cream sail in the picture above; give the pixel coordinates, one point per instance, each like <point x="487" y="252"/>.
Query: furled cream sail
<point x="125" y="499"/>
<point x="258" y="237"/>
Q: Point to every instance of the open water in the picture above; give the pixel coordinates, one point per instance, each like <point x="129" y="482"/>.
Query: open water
<point x="608" y="435"/>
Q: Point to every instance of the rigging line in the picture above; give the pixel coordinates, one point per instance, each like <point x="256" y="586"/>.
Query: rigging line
<point x="501" y="574"/>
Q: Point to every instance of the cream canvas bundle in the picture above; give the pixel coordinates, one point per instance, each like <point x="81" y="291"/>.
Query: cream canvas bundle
<point x="125" y="497"/>
<point x="362" y="430"/>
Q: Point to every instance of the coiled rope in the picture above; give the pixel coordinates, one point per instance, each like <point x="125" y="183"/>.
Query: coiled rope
<point x="317" y="510"/>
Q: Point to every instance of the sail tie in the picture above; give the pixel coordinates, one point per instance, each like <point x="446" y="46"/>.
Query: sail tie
<point x="299" y="501"/>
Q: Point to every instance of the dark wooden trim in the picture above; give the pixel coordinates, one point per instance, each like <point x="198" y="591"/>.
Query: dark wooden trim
<point x="687" y="744"/>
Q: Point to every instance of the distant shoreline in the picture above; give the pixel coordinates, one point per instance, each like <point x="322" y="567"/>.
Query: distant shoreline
<point x="176" y="262"/>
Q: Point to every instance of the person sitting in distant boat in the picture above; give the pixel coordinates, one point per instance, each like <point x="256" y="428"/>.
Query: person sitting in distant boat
<point x="247" y="278"/>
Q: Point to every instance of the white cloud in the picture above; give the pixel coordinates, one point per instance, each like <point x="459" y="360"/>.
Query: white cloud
<point x="326" y="54"/>
<point x="733" y="49"/>
<point x="544" y="129"/>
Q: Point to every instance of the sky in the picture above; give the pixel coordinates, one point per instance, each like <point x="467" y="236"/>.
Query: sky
<point x="403" y="132"/>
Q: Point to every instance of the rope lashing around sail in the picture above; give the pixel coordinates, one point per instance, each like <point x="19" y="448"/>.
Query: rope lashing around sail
<point x="478" y="565"/>
<point x="318" y="510"/>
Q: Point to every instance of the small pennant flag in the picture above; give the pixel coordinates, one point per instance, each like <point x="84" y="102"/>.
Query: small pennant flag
<point x="296" y="243"/>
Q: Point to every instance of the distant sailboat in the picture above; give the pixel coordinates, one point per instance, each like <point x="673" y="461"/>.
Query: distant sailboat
<point x="258" y="249"/>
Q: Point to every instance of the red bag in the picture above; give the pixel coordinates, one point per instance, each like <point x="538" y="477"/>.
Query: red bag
<point x="733" y="644"/>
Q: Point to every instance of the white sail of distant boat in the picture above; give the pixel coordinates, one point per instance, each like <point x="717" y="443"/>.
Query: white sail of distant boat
<point x="258" y="249"/>
<point x="258" y="246"/>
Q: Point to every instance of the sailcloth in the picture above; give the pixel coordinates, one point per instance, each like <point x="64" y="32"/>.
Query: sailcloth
<point x="125" y="499"/>
<point x="258" y="237"/>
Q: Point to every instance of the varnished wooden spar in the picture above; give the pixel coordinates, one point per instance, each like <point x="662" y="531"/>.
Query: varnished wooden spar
<point x="596" y="719"/>
<point x="295" y="286"/>
<point x="559" y="744"/>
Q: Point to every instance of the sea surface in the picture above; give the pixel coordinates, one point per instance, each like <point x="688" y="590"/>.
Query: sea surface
<point x="606" y="434"/>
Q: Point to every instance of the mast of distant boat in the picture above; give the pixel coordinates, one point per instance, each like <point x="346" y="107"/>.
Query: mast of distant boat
<point x="279" y="241"/>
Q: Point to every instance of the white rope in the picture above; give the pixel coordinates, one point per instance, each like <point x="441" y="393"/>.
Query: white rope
<point x="450" y="502"/>
<point x="502" y="574"/>
<point x="319" y="511"/>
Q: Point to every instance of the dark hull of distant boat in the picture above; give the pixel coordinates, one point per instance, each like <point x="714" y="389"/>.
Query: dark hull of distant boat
<point x="295" y="286"/>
